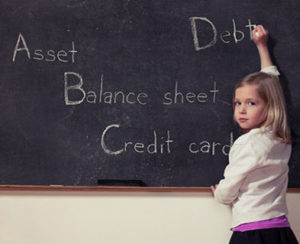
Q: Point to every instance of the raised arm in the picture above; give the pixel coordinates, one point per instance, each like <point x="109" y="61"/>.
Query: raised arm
<point x="260" y="37"/>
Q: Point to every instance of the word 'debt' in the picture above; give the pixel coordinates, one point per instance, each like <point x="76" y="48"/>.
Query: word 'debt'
<point x="227" y="36"/>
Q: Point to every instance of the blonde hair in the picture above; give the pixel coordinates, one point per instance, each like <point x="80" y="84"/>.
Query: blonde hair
<point x="270" y="90"/>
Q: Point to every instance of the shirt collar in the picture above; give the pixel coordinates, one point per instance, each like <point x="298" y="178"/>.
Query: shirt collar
<point x="267" y="129"/>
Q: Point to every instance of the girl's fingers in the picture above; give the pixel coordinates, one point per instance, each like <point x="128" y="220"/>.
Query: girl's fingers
<point x="259" y="34"/>
<point x="260" y="30"/>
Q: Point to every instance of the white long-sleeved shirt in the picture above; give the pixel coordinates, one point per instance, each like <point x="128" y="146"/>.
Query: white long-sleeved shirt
<point x="256" y="178"/>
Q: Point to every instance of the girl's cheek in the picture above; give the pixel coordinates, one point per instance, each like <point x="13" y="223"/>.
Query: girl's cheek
<point x="235" y="117"/>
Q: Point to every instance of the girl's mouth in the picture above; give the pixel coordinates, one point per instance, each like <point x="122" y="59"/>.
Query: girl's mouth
<point x="242" y="120"/>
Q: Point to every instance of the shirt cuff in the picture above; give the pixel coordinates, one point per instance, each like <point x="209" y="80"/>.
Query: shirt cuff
<point x="272" y="70"/>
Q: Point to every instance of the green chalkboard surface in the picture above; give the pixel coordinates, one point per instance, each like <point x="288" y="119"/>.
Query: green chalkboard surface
<point x="133" y="90"/>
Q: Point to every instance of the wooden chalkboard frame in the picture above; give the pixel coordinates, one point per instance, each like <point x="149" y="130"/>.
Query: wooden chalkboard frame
<point x="111" y="188"/>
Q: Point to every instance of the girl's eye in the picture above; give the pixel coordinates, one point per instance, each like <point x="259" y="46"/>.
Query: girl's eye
<point x="237" y="103"/>
<point x="251" y="103"/>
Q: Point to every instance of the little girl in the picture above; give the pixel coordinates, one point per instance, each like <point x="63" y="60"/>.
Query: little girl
<point x="255" y="181"/>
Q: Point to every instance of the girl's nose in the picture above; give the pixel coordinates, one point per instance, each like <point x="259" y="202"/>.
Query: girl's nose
<point x="242" y="109"/>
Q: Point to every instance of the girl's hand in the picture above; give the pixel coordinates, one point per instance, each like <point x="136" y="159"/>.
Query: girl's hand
<point x="213" y="188"/>
<point x="260" y="36"/>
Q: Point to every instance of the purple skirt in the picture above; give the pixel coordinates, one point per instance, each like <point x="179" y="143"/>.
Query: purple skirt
<point x="262" y="236"/>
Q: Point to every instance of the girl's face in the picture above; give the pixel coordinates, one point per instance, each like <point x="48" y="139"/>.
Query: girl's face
<point x="249" y="108"/>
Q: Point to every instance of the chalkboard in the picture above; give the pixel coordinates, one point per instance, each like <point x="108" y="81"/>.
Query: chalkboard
<point x="133" y="90"/>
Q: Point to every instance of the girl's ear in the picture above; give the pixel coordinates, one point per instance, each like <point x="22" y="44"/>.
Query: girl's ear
<point x="266" y="113"/>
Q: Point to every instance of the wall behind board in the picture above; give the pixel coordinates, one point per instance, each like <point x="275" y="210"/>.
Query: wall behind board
<point x="132" y="90"/>
<point x="111" y="218"/>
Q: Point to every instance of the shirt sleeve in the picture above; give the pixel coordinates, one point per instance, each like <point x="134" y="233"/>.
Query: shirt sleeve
<point x="272" y="70"/>
<point x="242" y="160"/>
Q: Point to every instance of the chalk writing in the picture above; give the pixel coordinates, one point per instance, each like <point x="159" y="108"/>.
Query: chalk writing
<point x="159" y="145"/>
<point x="113" y="97"/>
<point x="108" y="97"/>
<point x="40" y="55"/>
<point x="76" y="93"/>
<point x="162" y="144"/>
<point x="226" y="36"/>
<point x="177" y="96"/>
<point x="210" y="147"/>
